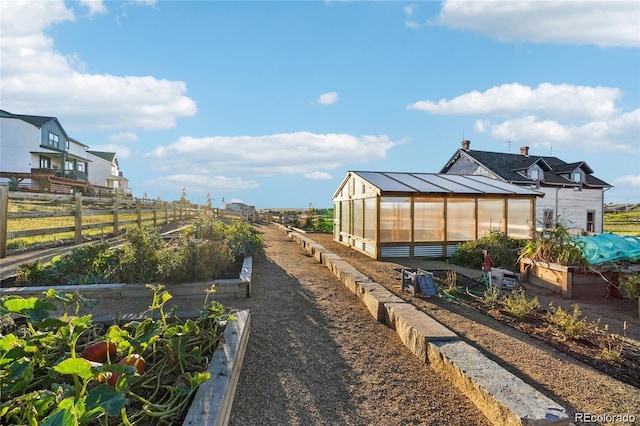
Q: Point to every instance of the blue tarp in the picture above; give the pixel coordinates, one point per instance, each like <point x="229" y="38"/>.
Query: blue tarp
<point x="609" y="247"/>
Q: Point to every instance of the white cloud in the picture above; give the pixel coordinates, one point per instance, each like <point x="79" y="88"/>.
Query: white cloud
<point x="602" y="23"/>
<point x="629" y="180"/>
<point x="328" y="98"/>
<point x="37" y="79"/>
<point x="317" y="176"/>
<point x="201" y="184"/>
<point x="618" y="134"/>
<point x="124" y="137"/>
<point x="284" y="153"/>
<point x="409" y="21"/>
<point x="549" y="100"/>
<point x="561" y="115"/>
<point x="94" y="6"/>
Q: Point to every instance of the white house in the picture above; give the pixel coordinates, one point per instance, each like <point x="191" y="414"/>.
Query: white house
<point x="37" y="154"/>
<point x="105" y="172"/>
<point x="571" y="192"/>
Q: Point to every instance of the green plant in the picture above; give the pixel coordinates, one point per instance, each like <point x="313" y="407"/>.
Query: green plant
<point x="570" y="325"/>
<point x="554" y="245"/>
<point x="517" y="304"/>
<point x="451" y="282"/>
<point x="44" y="380"/>
<point x="631" y="285"/>
<point x="503" y="250"/>
<point x="492" y="297"/>
<point x="613" y="349"/>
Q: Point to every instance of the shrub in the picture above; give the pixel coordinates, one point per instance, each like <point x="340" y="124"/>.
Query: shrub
<point x="504" y="251"/>
<point x="517" y="305"/>
<point x="631" y="285"/>
<point x="492" y="297"/>
<point x="571" y="325"/>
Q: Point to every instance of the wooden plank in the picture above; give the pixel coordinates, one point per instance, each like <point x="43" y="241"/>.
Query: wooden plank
<point x="214" y="398"/>
<point x="38" y="214"/>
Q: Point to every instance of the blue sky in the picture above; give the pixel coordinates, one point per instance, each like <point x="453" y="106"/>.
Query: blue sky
<point x="272" y="102"/>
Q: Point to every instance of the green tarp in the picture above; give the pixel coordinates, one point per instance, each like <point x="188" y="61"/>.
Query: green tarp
<point x="609" y="247"/>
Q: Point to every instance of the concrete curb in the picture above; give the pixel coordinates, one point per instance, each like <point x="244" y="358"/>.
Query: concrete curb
<point x="501" y="396"/>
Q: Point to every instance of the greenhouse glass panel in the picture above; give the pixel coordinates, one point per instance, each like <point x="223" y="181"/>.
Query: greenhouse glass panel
<point x="519" y="220"/>
<point x="395" y="219"/>
<point x="370" y="218"/>
<point x="344" y="217"/>
<point x="358" y="218"/>
<point x="428" y="219"/>
<point x="490" y="216"/>
<point x="461" y="221"/>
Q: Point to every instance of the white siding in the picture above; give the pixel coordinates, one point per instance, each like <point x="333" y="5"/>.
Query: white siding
<point x="17" y="138"/>
<point x="99" y="170"/>
<point x="571" y="206"/>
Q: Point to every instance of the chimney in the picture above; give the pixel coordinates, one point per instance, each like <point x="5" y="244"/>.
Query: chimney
<point x="465" y="144"/>
<point x="524" y="150"/>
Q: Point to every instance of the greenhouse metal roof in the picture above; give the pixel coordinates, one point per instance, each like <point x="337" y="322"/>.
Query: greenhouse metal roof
<point x="438" y="183"/>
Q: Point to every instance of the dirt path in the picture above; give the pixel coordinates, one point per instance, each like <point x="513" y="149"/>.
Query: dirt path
<point x="317" y="357"/>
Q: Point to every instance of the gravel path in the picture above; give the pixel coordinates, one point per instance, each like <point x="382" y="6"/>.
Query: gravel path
<point x="317" y="357"/>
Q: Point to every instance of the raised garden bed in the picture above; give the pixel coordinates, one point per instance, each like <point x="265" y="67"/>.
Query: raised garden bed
<point x="568" y="281"/>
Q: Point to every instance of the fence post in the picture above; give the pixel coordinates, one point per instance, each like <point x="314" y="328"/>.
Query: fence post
<point x="78" y="216"/>
<point x="4" y="219"/>
<point x="116" y="206"/>
<point x="155" y="213"/>
<point x="139" y="212"/>
<point x="164" y="209"/>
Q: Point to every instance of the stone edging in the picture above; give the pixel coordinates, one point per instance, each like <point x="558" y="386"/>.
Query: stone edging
<point x="501" y="396"/>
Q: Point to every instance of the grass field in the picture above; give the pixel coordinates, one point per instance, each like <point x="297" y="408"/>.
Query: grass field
<point x="625" y="222"/>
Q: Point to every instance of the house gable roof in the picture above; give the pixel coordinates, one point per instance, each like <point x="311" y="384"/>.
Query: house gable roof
<point x="36" y="120"/>
<point x="109" y="156"/>
<point x="507" y="166"/>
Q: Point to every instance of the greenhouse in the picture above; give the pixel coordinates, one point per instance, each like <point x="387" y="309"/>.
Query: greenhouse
<point x="390" y="214"/>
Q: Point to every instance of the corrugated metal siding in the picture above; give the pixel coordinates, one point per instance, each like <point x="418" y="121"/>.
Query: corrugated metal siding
<point x="427" y="251"/>
<point x="452" y="249"/>
<point x="370" y="248"/>
<point x="399" y="251"/>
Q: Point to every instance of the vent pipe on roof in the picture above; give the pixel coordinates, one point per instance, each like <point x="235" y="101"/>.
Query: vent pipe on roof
<point x="524" y="150"/>
<point x="465" y="144"/>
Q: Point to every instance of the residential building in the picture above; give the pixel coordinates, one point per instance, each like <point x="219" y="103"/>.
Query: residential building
<point x="106" y="173"/>
<point x="37" y="154"/>
<point x="572" y="194"/>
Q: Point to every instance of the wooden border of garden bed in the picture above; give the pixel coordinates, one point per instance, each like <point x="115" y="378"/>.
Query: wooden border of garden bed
<point x="214" y="398"/>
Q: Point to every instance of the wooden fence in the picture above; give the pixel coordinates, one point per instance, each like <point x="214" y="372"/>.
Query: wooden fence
<point x="81" y="213"/>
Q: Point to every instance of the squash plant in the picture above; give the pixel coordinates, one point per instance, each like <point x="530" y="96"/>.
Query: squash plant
<point x="150" y="377"/>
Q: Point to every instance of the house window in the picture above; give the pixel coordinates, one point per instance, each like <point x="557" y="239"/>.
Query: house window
<point x="45" y="162"/>
<point x="54" y="140"/>
<point x="534" y="174"/>
<point x="591" y="215"/>
<point x="576" y="177"/>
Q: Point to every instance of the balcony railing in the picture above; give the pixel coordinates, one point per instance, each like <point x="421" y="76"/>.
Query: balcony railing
<point x="68" y="174"/>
